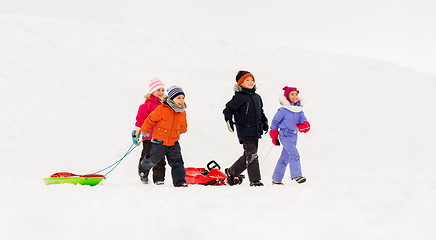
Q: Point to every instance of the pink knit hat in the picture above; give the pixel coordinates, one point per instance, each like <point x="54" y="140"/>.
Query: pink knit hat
<point x="289" y="90"/>
<point x="155" y="84"/>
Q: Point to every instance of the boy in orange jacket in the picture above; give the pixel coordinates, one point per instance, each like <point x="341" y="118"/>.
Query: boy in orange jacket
<point x="169" y="120"/>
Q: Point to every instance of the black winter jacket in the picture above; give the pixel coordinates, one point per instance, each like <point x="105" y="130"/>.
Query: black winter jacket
<point x="246" y="107"/>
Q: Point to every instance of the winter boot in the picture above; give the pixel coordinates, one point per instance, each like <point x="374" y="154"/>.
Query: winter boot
<point x="276" y="183"/>
<point x="256" y="184"/>
<point x="299" y="179"/>
<point x="144" y="177"/>
<point x="239" y="179"/>
<point x="230" y="177"/>
<point x="183" y="185"/>
<point x="159" y="183"/>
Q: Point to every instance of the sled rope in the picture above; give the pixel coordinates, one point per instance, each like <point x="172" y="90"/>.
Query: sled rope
<point x="267" y="155"/>
<point x="115" y="164"/>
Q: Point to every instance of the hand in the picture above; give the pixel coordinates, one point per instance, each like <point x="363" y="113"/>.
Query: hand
<point x="304" y="127"/>
<point x="144" y="135"/>
<point x="136" y="135"/>
<point x="274" y="134"/>
<point x="230" y="125"/>
<point x="265" y="126"/>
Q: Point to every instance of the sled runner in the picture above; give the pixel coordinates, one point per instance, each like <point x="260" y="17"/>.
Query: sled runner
<point x="66" y="177"/>
<point x="212" y="176"/>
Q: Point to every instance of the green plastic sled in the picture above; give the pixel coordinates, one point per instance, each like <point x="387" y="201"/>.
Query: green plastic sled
<point x="65" y="177"/>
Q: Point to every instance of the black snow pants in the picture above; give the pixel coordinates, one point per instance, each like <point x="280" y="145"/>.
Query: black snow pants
<point x="248" y="160"/>
<point x="174" y="158"/>
<point x="159" y="169"/>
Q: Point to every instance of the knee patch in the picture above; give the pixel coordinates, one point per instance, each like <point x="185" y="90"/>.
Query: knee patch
<point x="251" y="158"/>
<point x="146" y="166"/>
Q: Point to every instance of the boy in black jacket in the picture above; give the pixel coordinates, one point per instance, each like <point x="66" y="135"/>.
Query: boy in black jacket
<point x="246" y="108"/>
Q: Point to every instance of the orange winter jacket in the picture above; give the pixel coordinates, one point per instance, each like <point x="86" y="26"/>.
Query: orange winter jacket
<point x="168" y="124"/>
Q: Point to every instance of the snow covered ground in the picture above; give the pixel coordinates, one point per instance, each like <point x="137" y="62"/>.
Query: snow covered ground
<point x="69" y="94"/>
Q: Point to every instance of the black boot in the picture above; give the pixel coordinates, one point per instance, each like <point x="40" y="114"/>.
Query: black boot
<point x="256" y="184"/>
<point x="230" y="177"/>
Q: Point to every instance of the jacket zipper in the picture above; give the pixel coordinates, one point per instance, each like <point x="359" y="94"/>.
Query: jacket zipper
<point x="248" y="106"/>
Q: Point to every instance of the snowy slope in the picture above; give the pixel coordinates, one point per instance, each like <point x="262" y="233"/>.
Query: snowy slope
<point x="70" y="92"/>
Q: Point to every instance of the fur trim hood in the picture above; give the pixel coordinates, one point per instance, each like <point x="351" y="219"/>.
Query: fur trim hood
<point x="238" y="88"/>
<point x="293" y="108"/>
<point x="149" y="96"/>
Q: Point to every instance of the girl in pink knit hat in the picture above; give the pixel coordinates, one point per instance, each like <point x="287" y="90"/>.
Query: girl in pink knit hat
<point x="153" y="100"/>
<point x="287" y="122"/>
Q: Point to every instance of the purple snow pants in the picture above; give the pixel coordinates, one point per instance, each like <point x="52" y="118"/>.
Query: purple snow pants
<point x="289" y="156"/>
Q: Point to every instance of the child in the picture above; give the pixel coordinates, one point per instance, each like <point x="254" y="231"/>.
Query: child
<point x="246" y="108"/>
<point x="153" y="100"/>
<point x="289" y="119"/>
<point x="169" y="120"/>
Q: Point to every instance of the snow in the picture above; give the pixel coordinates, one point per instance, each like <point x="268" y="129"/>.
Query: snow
<point x="396" y="31"/>
<point x="70" y="92"/>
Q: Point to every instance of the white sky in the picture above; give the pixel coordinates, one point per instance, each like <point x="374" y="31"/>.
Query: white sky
<point x="401" y="31"/>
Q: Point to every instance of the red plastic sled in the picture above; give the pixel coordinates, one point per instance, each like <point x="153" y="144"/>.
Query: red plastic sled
<point x="213" y="176"/>
<point x="68" y="174"/>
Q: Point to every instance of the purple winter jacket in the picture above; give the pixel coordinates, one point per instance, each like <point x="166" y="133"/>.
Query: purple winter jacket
<point x="288" y="116"/>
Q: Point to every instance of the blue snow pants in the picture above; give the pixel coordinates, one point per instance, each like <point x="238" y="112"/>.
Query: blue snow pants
<point x="289" y="156"/>
<point x="174" y="157"/>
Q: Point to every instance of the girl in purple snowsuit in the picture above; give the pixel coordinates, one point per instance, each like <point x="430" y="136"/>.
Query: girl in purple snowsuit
<point x="288" y="121"/>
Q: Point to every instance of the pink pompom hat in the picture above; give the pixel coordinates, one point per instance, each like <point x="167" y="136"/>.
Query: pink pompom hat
<point x="289" y="90"/>
<point x="155" y="84"/>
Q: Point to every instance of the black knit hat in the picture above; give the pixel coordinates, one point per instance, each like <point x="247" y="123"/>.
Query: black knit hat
<point x="242" y="75"/>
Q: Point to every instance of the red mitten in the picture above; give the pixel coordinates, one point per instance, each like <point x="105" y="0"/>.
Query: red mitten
<point x="304" y="127"/>
<point x="274" y="134"/>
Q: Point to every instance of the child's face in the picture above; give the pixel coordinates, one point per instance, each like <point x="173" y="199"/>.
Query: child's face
<point x="179" y="100"/>
<point x="159" y="93"/>
<point x="248" y="83"/>
<point x="293" y="97"/>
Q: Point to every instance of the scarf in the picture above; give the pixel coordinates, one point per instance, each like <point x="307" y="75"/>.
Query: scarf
<point x="174" y="106"/>
<point x="293" y="108"/>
